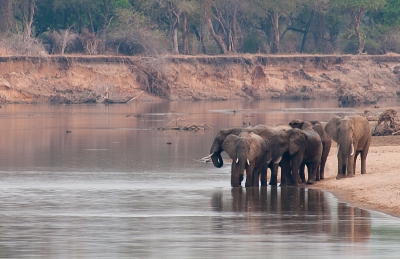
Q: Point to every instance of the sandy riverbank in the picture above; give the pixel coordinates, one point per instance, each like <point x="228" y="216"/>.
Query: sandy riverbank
<point x="377" y="190"/>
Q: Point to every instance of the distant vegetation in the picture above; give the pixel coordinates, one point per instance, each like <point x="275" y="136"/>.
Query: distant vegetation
<point x="153" y="27"/>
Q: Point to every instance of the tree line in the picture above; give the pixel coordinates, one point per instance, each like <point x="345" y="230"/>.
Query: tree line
<point x="193" y="27"/>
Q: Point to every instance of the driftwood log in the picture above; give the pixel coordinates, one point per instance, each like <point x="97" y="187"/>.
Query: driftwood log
<point x="186" y="128"/>
<point x="387" y="124"/>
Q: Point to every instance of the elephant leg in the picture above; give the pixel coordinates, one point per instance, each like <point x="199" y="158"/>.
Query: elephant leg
<point x="302" y="173"/>
<point x="312" y="170"/>
<point x="250" y="171"/>
<point x="318" y="172"/>
<point x="355" y="162"/>
<point x="256" y="176"/>
<point x="262" y="172"/>
<point x="285" y="170"/>
<point x="364" y="154"/>
<point x="341" y="173"/>
<point x="274" y="174"/>
<point x="236" y="180"/>
<point x="249" y="179"/>
<point x="264" y="177"/>
<point x="295" y="164"/>
<point x="350" y="165"/>
<point x="324" y="158"/>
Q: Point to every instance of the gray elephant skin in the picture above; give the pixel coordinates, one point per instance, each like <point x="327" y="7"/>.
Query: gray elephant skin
<point x="217" y="148"/>
<point x="248" y="151"/>
<point x="353" y="136"/>
<point x="326" y="141"/>
<point x="294" y="147"/>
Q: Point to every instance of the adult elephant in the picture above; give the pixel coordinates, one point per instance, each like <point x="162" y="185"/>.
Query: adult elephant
<point x="326" y="141"/>
<point x="248" y="151"/>
<point x="296" y="147"/>
<point x="353" y="136"/>
<point x="216" y="147"/>
<point x="267" y="133"/>
<point x="285" y="168"/>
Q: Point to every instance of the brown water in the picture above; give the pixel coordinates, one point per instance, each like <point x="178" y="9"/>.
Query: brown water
<point x="113" y="188"/>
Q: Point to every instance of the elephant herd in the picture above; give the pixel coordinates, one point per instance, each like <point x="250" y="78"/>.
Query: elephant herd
<point x="292" y="147"/>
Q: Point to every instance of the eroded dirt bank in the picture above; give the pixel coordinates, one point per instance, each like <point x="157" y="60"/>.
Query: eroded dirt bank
<point x="77" y="79"/>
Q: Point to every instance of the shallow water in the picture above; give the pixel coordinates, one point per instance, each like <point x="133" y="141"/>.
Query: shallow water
<point x="114" y="188"/>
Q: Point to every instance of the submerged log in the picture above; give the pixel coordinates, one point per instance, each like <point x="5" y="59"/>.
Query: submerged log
<point x="109" y="100"/>
<point x="185" y="128"/>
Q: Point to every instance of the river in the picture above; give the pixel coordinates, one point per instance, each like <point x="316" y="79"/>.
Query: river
<point x="100" y="181"/>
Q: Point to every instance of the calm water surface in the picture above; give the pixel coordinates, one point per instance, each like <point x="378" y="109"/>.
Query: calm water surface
<point x="113" y="188"/>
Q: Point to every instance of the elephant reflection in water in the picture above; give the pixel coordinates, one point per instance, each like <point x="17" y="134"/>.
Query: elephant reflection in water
<point x="277" y="206"/>
<point x="289" y="210"/>
<point x="353" y="223"/>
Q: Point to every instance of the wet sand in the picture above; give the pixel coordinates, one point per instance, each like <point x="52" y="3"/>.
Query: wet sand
<point x="377" y="190"/>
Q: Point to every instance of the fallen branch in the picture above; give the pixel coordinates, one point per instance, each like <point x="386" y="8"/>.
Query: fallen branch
<point x="135" y="97"/>
<point x="185" y="128"/>
<point x="387" y="124"/>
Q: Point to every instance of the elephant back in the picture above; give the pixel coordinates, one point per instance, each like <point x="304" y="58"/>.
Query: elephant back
<point x="265" y="132"/>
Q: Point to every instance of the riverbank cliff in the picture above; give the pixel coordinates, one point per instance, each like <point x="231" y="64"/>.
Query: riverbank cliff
<point x="82" y="79"/>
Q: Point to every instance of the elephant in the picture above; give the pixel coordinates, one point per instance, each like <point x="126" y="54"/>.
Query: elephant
<point x="326" y="141"/>
<point x="248" y="151"/>
<point x="294" y="147"/>
<point x="273" y="166"/>
<point x="216" y="147"/>
<point x="267" y="133"/>
<point x="353" y="136"/>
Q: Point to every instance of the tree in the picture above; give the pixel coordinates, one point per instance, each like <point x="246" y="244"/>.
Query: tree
<point x="26" y="13"/>
<point x="6" y="14"/>
<point x="357" y="8"/>
<point x="274" y="10"/>
<point x="172" y="15"/>
<point x="311" y="12"/>
<point x="134" y="33"/>
<point x="222" y="22"/>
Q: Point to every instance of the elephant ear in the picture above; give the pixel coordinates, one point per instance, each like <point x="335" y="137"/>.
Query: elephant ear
<point x="332" y="127"/>
<point x="266" y="133"/>
<point x="360" y="125"/>
<point x="296" y="124"/>
<point x="220" y="138"/>
<point x="297" y="140"/>
<point x="229" y="146"/>
<point x="255" y="146"/>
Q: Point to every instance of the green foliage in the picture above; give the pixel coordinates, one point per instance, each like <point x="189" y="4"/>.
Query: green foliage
<point x="144" y="26"/>
<point x="349" y="5"/>
<point x="391" y="14"/>
<point x="134" y="33"/>
<point x="251" y="43"/>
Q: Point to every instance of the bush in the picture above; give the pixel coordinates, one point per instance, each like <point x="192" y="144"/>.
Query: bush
<point x="251" y="43"/>
<point x="15" y="44"/>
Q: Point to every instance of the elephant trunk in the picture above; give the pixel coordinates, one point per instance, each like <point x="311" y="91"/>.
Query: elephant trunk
<point x="347" y="151"/>
<point x="238" y="167"/>
<point x="217" y="159"/>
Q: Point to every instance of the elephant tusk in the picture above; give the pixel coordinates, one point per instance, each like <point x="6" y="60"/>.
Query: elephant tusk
<point x="338" y="147"/>
<point x="278" y="160"/>
<point x="207" y="157"/>
<point x="352" y="149"/>
<point x="248" y="162"/>
<point x="269" y="161"/>
<point x="237" y="160"/>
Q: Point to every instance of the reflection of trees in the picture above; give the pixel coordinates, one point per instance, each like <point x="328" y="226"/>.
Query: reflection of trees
<point x="287" y="211"/>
